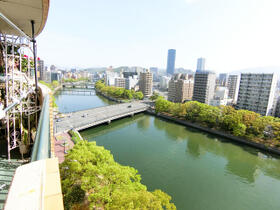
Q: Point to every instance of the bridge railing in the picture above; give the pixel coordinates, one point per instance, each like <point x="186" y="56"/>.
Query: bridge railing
<point x="42" y="146"/>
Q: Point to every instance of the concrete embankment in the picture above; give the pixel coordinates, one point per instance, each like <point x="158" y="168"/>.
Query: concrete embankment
<point x="216" y="132"/>
<point x="109" y="97"/>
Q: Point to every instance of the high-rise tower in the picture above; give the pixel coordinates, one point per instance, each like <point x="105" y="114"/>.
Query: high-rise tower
<point x="171" y="61"/>
<point x="204" y="86"/>
<point x="200" y="64"/>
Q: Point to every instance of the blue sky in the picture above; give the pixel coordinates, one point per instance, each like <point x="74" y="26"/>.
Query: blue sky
<point x="230" y="34"/>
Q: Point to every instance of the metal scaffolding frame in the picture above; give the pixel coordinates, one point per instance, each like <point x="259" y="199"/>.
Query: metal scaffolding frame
<point x="19" y="86"/>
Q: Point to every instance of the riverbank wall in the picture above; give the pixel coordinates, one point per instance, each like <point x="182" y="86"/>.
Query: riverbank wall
<point x="109" y="97"/>
<point x="216" y="132"/>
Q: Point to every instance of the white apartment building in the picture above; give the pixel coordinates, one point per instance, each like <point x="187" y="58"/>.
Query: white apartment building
<point x="233" y="87"/>
<point x="257" y="92"/>
<point x="110" y="77"/>
<point x="131" y="82"/>
<point x="163" y="82"/>
<point x="221" y="97"/>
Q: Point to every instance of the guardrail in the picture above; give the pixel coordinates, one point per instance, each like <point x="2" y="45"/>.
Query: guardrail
<point x="42" y="146"/>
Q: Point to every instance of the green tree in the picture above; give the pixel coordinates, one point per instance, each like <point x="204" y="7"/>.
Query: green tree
<point x="239" y="129"/>
<point x="243" y="123"/>
<point x="162" y="105"/>
<point x="91" y="179"/>
<point x="154" y="96"/>
<point x="192" y="110"/>
<point x="55" y="83"/>
<point x="210" y="115"/>
<point x="127" y="94"/>
<point x="139" y="95"/>
<point x="118" y="92"/>
<point x="174" y="109"/>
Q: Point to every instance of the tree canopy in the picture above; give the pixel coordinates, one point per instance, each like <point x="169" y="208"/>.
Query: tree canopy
<point x="118" y="92"/>
<point x="242" y="123"/>
<point x="91" y="179"/>
<point x="154" y="96"/>
<point x="85" y="79"/>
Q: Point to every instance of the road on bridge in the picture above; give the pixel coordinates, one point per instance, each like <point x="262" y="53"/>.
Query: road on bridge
<point x="92" y="117"/>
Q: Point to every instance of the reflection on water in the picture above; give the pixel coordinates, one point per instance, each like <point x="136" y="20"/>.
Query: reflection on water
<point x="240" y="163"/>
<point x="72" y="103"/>
<point x="193" y="148"/>
<point x="144" y="123"/>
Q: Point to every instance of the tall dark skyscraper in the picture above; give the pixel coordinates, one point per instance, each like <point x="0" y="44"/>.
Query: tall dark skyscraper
<point x="171" y="61"/>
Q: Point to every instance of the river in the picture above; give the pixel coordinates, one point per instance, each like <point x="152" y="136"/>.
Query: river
<point x="200" y="171"/>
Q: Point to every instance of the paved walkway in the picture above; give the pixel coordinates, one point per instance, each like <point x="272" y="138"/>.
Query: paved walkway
<point x="59" y="145"/>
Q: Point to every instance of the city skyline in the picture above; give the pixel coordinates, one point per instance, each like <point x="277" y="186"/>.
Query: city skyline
<point x="139" y="33"/>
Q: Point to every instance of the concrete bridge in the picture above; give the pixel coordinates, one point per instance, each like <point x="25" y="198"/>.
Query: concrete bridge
<point x="78" y="92"/>
<point x="88" y="118"/>
<point x="85" y="85"/>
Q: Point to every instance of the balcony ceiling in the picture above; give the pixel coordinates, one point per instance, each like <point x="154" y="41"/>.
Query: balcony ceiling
<point x="20" y="13"/>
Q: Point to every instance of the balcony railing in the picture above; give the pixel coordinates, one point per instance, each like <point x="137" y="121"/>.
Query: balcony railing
<point x="42" y="147"/>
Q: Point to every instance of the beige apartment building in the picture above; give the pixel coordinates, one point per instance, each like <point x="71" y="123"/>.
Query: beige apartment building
<point x="180" y="88"/>
<point x="120" y="82"/>
<point x="146" y="82"/>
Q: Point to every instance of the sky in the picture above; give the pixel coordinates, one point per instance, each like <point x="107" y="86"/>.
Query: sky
<point x="230" y="34"/>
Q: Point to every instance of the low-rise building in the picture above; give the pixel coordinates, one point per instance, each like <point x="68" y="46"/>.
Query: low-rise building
<point x="221" y="97"/>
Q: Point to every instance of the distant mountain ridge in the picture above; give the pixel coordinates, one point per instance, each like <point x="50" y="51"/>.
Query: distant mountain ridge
<point x="256" y="70"/>
<point x="95" y="69"/>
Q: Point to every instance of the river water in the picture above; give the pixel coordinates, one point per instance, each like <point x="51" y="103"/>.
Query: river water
<point x="200" y="171"/>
